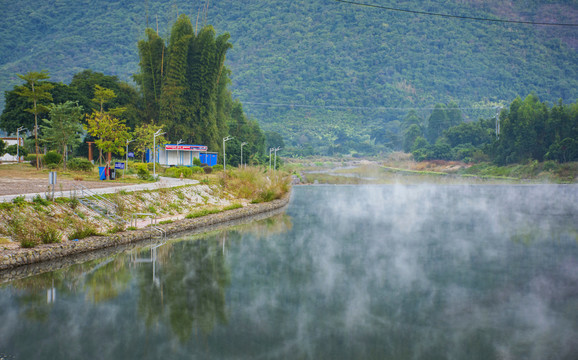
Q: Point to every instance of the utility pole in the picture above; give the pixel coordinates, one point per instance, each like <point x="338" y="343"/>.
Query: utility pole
<point x="270" y="151"/>
<point x="224" y="152"/>
<point x="18" y="142"/>
<point x="276" y="149"/>
<point x="242" y="144"/>
<point x="498" y="123"/>
<point x="158" y="133"/>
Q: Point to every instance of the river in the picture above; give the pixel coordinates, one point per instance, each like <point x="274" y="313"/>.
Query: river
<point x="346" y="272"/>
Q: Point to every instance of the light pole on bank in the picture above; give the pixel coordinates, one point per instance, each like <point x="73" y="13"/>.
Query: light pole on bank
<point x="225" y="153"/>
<point x="270" y="151"/>
<point x="158" y="133"/>
<point x="276" y="149"/>
<point x="242" y="144"/>
<point x="18" y="141"/>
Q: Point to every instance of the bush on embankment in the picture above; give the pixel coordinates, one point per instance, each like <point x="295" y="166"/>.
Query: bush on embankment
<point x="256" y="184"/>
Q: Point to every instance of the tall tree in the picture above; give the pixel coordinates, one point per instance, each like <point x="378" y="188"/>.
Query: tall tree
<point x="153" y="65"/>
<point x="110" y="132"/>
<point x="64" y="128"/>
<point x="143" y="138"/>
<point x="34" y="91"/>
<point x="437" y="123"/>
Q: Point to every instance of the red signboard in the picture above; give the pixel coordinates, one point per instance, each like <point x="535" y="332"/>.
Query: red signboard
<point x="187" y="147"/>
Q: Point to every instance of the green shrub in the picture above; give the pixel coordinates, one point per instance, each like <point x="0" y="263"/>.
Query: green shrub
<point x="116" y="229"/>
<point x="142" y="171"/>
<point x="40" y="201"/>
<point x="208" y="169"/>
<point x="197" y="170"/>
<point x="6" y="206"/>
<point x="50" y="235"/>
<point x="30" y="157"/>
<point x="52" y="157"/>
<point x="79" y="164"/>
<point x="218" y="167"/>
<point x="178" y="170"/>
<point x="19" y="200"/>
<point x="196" y="161"/>
<point x="82" y="231"/>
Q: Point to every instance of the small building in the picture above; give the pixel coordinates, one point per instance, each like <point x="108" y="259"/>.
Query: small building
<point x="183" y="155"/>
<point x="11" y="141"/>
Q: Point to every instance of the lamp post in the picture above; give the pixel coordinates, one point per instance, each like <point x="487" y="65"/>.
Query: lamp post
<point x="126" y="164"/>
<point x="158" y="133"/>
<point x="178" y="143"/>
<point x="18" y="142"/>
<point x="276" y="149"/>
<point x="224" y="152"/>
<point x="242" y="144"/>
<point x="270" y="151"/>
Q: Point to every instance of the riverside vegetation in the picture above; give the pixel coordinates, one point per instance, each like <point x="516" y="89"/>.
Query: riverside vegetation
<point x="64" y="219"/>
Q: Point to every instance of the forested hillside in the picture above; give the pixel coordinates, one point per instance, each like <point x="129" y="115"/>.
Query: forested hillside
<point x="325" y="75"/>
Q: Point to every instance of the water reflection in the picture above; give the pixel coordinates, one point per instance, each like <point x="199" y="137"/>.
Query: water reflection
<point x="374" y="272"/>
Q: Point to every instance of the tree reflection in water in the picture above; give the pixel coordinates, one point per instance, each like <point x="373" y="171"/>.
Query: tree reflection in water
<point x="187" y="290"/>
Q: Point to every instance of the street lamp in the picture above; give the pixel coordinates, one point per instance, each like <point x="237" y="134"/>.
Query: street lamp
<point x="276" y="149"/>
<point x="242" y="144"/>
<point x="158" y="133"/>
<point x="126" y="164"/>
<point x="178" y="143"/>
<point x="18" y="142"/>
<point x="224" y="152"/>
<point x="270" y="151"/>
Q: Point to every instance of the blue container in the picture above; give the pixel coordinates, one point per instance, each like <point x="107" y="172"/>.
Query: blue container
<point x="102" y="172"/>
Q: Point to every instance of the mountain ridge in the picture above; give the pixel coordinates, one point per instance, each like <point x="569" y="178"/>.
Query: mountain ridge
<point x="310" y="69"/>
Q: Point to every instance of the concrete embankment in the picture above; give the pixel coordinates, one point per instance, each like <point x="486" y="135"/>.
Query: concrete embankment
<point x="15" y="258"/>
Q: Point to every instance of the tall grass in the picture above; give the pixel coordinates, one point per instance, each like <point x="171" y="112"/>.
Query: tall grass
<point x="256" y="184"/>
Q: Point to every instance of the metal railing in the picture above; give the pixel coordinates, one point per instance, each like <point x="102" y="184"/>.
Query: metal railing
<point x="153" y="224"/>
<point x="97" y="202"/>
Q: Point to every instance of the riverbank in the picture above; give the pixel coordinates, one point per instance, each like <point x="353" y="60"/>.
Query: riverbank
<point x="14" y="258"/>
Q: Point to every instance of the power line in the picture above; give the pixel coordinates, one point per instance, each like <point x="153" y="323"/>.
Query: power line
<point x="344" y="107"/>
<point x="455" y="16"/>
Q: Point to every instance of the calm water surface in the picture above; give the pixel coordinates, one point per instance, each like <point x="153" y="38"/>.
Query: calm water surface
<point x="348" y="272"/>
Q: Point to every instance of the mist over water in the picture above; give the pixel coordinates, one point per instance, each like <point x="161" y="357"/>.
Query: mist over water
<point x="351" y="272"/>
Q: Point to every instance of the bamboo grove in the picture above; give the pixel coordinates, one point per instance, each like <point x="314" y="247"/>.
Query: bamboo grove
<point x="184" y="83"/>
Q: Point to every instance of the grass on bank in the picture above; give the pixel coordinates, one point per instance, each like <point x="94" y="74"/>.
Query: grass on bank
<point x="39" y="221"/>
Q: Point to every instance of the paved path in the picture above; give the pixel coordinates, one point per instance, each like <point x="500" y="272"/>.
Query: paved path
<point x="164" y="182"/>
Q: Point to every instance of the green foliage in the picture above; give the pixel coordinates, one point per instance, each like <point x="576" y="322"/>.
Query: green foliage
<point x="80" y="164"/>
<point x="50" y="234"/>
<point x="196" y="161"/>
<point x="83" y="230"/>
<point x="142" y="171"/>
<point x="63" y="130"/>
<point x="52" y="157"/>
<point x="217" y="167"/>
<point x="178" y="170"/>
<point x="232" y="207"/>
<point x="40" y="201"/>
<point x="202" y="212"/>
<point x="197" y="170"/>
<point x="19" y="200"/>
